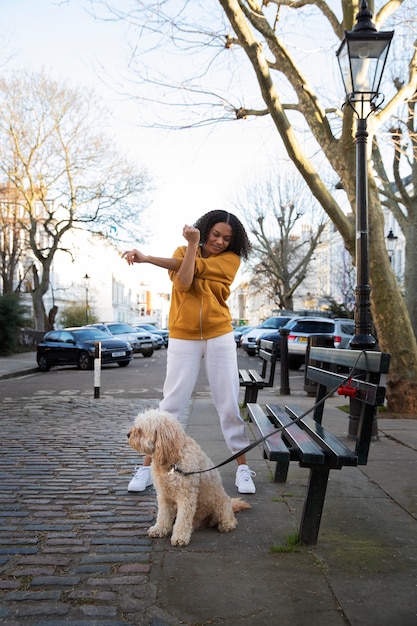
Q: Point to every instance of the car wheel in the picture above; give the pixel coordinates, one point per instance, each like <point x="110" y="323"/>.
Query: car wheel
<point x="123" y="363"/>
<point x="84" y="361"/>
<point x="147" y="353"/>
<point x="294" y="365"/>
<point x="43" y="364"/>
<point x="251" y="352"/>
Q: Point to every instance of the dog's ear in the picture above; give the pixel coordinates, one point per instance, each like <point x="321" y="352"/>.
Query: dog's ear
<point x="169" y="442"/>
<point x="139" y="442"/>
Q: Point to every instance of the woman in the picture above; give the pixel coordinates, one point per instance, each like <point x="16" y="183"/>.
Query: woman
<point x="200" y="326"/>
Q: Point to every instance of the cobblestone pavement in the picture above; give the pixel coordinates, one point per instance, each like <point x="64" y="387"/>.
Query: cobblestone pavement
<point x="73" y="542"/>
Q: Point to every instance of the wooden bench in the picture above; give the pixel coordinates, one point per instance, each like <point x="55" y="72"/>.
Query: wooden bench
<point x="303" y="438"/>
<point x="253" y="380"/>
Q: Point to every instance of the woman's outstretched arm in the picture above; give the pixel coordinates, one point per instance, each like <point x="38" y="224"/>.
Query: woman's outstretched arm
<point x="135" y="256"/>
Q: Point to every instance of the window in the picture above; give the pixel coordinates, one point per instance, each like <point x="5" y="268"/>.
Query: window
<point x="313" y="327"/>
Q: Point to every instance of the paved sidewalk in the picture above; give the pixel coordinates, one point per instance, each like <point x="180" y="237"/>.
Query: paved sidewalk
<point x="74" y="549"/>
<point x="18" y="364"/>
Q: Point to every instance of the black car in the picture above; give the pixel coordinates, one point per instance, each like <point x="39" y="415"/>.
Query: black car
<point x="76" y="346"/>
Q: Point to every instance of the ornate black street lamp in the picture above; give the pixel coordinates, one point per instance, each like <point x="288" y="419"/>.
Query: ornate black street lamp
<point x="86" y="280"/>
<point x="362" y="56"/>
<point x="391" y="244"/>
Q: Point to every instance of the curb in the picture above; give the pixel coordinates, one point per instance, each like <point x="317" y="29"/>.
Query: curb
<point x="17" y="373"/>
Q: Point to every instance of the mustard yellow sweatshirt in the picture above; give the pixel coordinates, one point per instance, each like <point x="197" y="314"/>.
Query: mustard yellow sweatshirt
<point x="200" y="311"/>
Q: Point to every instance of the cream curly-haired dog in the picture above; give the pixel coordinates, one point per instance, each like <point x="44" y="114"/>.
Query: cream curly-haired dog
<point x="185" y="502"/>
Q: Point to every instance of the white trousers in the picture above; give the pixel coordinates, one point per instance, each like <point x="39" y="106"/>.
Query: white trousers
<point x="183" y="366"/>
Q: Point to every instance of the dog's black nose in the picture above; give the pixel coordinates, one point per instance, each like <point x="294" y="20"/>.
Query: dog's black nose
<point x="128" y="435"/>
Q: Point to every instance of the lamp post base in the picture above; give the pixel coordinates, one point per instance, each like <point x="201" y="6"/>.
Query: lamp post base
<point x="363" y="342"/>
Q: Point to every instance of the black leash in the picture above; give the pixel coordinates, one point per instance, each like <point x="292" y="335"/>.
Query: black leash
<point x="175" y="468"/>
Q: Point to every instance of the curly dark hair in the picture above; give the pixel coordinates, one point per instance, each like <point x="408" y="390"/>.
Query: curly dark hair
<point x="239" y="244"/>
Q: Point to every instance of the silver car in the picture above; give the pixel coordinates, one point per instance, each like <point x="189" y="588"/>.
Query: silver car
<point x="248" y="341"/>
<point x="141" y="342"/>
<point x="153" y="330"/>
<point x="341" y="331"/>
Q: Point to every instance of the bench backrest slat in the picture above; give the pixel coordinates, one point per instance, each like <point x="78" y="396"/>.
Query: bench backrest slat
<point x="267" y="356"/>
<point x="369" y="360"/>
<point x="367" y="392"/>
<point x="269" y="345"/>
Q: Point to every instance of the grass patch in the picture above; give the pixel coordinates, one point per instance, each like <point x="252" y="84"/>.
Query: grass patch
<point x="84" y="601"/>
<point x="344" y="407"/>
<point x="25" y="582"/>
<point x="321" y="565"/>
<point x="291" y="546"/>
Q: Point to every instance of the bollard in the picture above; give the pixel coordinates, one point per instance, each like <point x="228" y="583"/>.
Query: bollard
<point x="318" y="341"/>
<point x="97" y="369"/>
<point x="285" y="379"/>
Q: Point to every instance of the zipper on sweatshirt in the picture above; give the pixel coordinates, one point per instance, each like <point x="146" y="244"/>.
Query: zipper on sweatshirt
<point x="201" y="318"/>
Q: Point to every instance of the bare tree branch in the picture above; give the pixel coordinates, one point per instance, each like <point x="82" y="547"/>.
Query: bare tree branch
<point x="61" y="174"/>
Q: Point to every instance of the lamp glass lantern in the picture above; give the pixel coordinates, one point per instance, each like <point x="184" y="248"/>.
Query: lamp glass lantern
<point x="362" y="56"/>
<point x="391" y="243"/>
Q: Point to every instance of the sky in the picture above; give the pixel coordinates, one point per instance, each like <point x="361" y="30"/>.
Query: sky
<point x="193" y="171"/>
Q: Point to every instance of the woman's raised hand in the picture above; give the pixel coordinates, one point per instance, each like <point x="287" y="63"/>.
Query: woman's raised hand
<point x="134" y="256"/>
<point x="191" y="234"/>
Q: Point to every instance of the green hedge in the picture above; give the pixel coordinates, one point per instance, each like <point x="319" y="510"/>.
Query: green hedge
<point x="12" y="318"/>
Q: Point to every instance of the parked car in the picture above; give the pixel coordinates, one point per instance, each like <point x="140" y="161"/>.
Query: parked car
<point x="141" y="342"/>
<point x="340" y="329"/>
<point x="150" y="328"/>
<point x="239" y="331"/>
<point x="76" y="346"/>
<point x="248" y="341"/>
<point x="157" y="341"/>
<point x="270" y="335"/>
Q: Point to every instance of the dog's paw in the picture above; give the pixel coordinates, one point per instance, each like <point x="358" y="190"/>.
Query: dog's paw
<point x="156" y="531"/>
<point x="227" y="527"/>
<point x="176" y="540"/>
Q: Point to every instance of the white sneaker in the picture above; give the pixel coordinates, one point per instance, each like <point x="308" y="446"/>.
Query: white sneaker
<point x="244" y="482"/>
<point x="141" y="479"/>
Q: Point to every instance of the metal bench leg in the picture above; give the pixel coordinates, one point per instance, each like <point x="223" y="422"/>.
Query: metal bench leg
<point x="365" y="432"/>
<point x="281" y="471"/>
<point x="313" y="505"/>
<point x="251" y="394"/>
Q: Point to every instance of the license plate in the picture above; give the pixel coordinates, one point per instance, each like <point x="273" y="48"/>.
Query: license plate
<point x="302" y="339"/>
<point x="117" y="354"/>
<point x="146" y="345"/>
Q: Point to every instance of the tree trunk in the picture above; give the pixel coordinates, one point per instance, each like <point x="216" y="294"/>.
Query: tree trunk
<point x="40" y="287"/>
<point x="390" y="316"/>
<point x="288" y="303"/>
<point x="38" y="310"/>
<point x="410" y="278"/>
